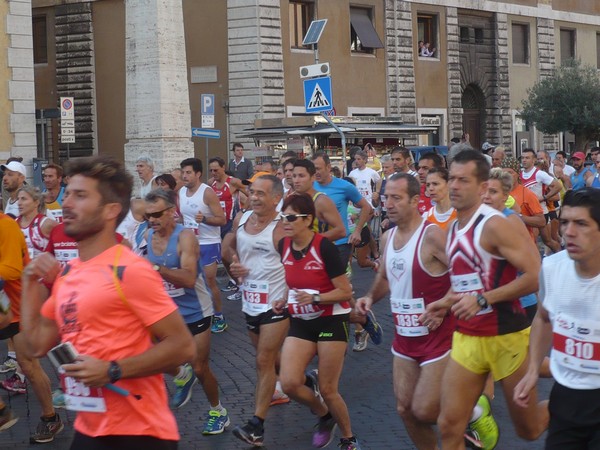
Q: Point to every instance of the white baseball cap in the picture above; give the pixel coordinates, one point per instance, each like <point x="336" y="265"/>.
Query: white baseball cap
<point x="15" y="166"/>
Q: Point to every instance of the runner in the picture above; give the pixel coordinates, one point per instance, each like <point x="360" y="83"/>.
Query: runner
<point x="227" y="189"/>
<point x="36" y="226"/>
<point x="426" y="163"/>
<point x="109" y="304"/>
<point x="174" y="252"/>
<point x="442" y="214"/>
<point x="567" y="321"/>
<point x="53" y="176"/>
<point x="257" y="264"/>
<point x="12" y="181"/>
<point x="202" y="213"/>
<point x="485" y="253"/>
<point x="415" y="272"/>
<point x="318" y="302"/>
<point x="401" y="158"/>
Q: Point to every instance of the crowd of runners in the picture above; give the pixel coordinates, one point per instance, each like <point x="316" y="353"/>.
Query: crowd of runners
<point x="488" y="263"/>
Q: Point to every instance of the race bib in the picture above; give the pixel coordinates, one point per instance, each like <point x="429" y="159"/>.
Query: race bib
<point x="305" y="312"/>
<point x="173" y="290"/>
<point x="406" y="314"/>
<point x="79" y="397"/>
<point x="191" y="224"/>
<point x="469" y="283"/>
<point x="56" y="214"/>
<point x="64" y="256"/>
<point x="576" y="344"/>
<point x="255" y="297"/>
<point x="222" y="205"/>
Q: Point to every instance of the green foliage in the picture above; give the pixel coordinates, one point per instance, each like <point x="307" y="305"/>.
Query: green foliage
<point x="569" y="100"/>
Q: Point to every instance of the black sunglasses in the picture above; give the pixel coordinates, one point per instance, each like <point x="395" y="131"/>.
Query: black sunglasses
<point x="292" y="217"/>
<point x="157" y="214"/>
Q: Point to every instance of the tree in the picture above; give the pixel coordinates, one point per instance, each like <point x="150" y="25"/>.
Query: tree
<point x="569" y="100"/>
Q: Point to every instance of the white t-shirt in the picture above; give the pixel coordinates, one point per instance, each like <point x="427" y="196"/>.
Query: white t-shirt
<point x="567" y="170"/>
<point x="574" y="309"/>
<point x="364" y="180"/>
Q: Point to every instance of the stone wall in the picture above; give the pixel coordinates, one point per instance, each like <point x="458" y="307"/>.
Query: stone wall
<point x="21" y="88"/>
<point x="400" y="64"/>
<point x="256" y="79"/>
<point x="75" y="73"/>
<point x="546" y="64"/>
<point x="455" y="111"/>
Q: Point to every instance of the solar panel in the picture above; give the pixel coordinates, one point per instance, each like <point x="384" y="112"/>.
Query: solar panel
<point x="315" y="30"/>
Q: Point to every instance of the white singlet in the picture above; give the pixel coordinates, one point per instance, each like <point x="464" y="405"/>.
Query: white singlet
<point x="266" y="281"/>
<point x="192" y="205"/>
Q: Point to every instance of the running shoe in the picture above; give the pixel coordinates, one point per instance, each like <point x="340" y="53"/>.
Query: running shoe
<point x="349" y="444"/>
<point x="8" y="365"/>
<point x="58" y="398"/>
<point x="313" y="381"/>
<point x="472" y="439"/>
<point x="216" y="422"/>
<point x="279" y="398"/>
<point x="360" y="341"/>
<point x="231" y="287"/>
<point x="218" y="324"/>
<point x="373" y="328"/>
<point x="235" y="297"/>
<point x="183" y="387"/>
<point x="251" y="433"/>
<point x="7" y="419"/>
<point x="46" y="430"/>
<point x="486" y="427"/>
<point x="15" y="384"/>
<point x="324" y="432"/>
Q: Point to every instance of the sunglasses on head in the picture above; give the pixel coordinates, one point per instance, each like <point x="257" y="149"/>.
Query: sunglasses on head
<point x="292" y="217"/>
<point x="157" y="214"/>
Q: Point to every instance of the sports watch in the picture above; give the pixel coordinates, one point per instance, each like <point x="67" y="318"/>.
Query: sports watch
<point x="482" y="302"/>
<point x="114" y="372"/>
<point x="316" y="299"/>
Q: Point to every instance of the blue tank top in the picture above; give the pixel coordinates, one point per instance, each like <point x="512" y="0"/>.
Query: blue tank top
<point x="596" y="182"/>
<point x="529" y="299"/>
<point x="185" y="298"/>
<point x="578" y="181"/>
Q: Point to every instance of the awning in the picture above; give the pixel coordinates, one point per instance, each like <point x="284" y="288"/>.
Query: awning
<point x="361" y="22"/>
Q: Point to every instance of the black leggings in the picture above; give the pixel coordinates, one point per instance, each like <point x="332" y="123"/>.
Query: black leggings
<point x="83" y="442"/>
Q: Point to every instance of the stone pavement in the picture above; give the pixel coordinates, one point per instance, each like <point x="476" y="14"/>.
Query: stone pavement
<point x="365" y="385"/>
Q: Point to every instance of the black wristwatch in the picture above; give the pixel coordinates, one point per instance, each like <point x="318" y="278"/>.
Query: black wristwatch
<point x="316" y="299"/>
<point x="114" y="372"/>
<point x="481" y="301"/>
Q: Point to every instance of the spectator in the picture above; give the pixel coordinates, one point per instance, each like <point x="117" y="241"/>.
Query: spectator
<point x="240" y="167"/>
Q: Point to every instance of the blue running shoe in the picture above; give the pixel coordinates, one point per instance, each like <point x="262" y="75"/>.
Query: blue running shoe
<point x="218" y="324"/>
<point x="216" y="422"/>
<point x="373" y="328"/>
<point x="183" y="387"/>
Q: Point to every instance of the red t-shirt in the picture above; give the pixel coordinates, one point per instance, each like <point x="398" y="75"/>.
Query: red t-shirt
<point x="89" y="313"/>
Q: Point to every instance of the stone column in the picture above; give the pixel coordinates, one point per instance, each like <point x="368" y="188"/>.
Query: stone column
<point x="158" y="108"/>
<point x="546" y="64"/>
<point x="455" y="110"/>
<point x="400" y="63"/>
<point x="255" y="57"/>
<point x="21" y="88"/>
<point x="502" y="116"/>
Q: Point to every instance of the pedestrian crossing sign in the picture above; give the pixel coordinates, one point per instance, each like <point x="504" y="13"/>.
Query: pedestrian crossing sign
<point x="317" y="94"/>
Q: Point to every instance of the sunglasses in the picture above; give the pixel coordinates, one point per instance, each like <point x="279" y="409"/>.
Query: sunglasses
<point x="292" y="217"/>
<point x="157" y="214"/>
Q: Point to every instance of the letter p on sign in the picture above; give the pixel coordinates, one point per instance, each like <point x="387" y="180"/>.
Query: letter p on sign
<point x="207" y="104"/>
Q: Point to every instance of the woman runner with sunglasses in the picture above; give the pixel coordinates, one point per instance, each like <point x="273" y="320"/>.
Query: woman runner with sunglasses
<point x="318" y="302"/>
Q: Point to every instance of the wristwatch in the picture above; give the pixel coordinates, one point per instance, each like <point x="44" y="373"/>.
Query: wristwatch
<point x="481" y="301"/>
<point x="156" y="267"/>
<point x="316" y="299"/>
<point x="114" y="372"/>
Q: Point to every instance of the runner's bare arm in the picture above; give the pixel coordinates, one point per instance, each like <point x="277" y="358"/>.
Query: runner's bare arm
<point x="365" y="213"/>
<point x="501" y="237"/>
<point x="212" y="201"/>
<point x="540" y="341"/>
<point x="175" y="347"/>
<point x="433" y="252"/>
<point x="328" y="213"/>
<point x="189" y="253"/>
<point x="380" y="287"/>
<point x="40" y="332"/>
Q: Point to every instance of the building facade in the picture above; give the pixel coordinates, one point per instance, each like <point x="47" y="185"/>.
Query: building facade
<point x="484" y="57"/>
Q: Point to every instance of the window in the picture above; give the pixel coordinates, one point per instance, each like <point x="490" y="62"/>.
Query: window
<point x="40" y="40"/>
<point x="427" y="34"/>
<point x="567" y="45"/>
<point x="464" y="35"/>
<point x="520" y="43"/>
<point x="301" y="15"/>
<point x="598" y="50"/>
<point x="363" y="36"/>
<point x="479" y="35"/>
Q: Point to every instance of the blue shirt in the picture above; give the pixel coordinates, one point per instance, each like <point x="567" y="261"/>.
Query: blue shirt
<point x="577" y="180"/>
<point x="341" y="192"/>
